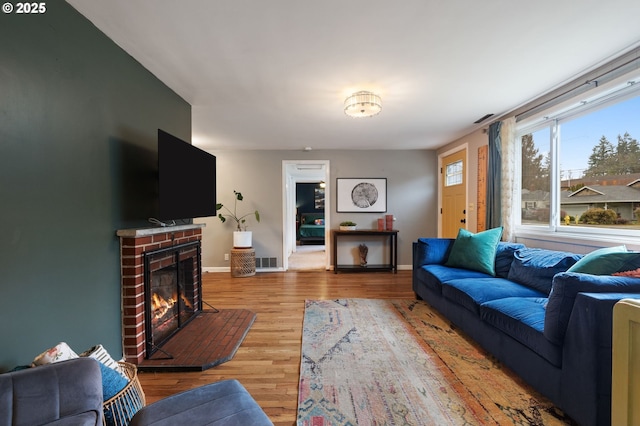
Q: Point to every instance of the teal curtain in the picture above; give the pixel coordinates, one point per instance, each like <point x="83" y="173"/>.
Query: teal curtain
<point x="494" y="177"/>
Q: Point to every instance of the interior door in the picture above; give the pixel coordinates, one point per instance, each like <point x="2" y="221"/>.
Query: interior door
<point x="454" y="193"/>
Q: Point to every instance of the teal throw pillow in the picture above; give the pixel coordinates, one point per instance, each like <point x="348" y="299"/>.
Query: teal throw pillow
<point x="476" y="252"/>
<point x="607" y="261"/>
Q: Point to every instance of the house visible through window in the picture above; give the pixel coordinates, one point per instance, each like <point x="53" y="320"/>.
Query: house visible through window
<point x="581" y="171"/>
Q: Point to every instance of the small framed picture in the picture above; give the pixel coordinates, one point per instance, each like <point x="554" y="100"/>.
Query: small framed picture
<point x="361" y="195"/>
<point x="318" y="198"/>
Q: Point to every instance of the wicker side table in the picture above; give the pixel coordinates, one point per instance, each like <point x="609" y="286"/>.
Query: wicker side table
<point x="243" y="262"/>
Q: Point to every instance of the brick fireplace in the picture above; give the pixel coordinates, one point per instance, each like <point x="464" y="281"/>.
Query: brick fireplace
<point x="134" y="243"/>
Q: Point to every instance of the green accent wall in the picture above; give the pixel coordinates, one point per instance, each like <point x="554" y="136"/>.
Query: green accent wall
<point x="78" y="160"/>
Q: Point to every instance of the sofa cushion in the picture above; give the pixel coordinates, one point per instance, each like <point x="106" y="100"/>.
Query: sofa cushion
<point x="536" y="267"/>
<point x="436" y="251"/>
<point x="432" y="251"/>
<point x="475" y="251"/>
<point x="432" y="276"/>
<point x="522" y="318"/>
<point x="607" y="261"/>
<point x="472" y="292"/>
<point x="504" y="257"/>
<point x="566" y="286"/>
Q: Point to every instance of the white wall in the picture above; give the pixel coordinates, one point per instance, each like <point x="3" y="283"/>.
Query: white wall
<point x="411" y="196"/>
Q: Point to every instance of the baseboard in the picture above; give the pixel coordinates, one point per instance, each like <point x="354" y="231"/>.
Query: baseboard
<point x="279" y="269"/>
<point x="227" y="269"/>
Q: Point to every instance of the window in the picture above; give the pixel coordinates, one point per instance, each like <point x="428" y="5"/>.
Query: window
<point x="535" y="170"/>
<point x="580" y="169"/>
<point x="453" y="175"/>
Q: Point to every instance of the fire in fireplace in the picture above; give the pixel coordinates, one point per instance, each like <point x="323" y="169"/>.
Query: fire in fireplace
<point x="172" y="291"/>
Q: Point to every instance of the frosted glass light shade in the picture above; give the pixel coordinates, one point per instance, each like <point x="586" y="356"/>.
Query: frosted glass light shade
<point x="362" y="104"/>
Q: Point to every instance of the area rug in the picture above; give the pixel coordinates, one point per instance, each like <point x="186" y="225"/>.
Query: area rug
<point x="397" y="362"/>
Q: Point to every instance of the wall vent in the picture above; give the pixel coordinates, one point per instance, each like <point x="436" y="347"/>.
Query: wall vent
<point x="266" y="262"/>
<point x="481" y="119"/>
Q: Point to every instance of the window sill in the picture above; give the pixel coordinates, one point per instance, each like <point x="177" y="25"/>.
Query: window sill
<point x="589" y="241"/>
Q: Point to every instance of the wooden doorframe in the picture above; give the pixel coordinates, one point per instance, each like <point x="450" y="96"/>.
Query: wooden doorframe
<point x="441" y="156"/>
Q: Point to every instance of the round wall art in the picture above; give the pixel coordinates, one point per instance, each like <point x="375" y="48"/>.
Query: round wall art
<point x="364" y="195"/>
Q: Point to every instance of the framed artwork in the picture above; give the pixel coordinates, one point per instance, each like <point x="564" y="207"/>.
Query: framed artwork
<point x="318" y="198"/>
<point x="361" y="195"/>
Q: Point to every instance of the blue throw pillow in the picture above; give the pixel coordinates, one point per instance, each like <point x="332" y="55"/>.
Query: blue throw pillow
<point x="112" y="381"/>
<point x="536" y="268"/>
<point x="607" y="261"/>
<point x="504" y="257"/>
<point x="476" y="252"/>
<point x="432" y="251"/>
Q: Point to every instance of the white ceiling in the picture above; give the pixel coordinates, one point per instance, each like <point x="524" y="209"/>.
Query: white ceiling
<point x="274" y="74"/>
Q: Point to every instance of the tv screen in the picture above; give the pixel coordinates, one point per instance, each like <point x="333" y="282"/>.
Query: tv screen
<point x="186" y="179"/>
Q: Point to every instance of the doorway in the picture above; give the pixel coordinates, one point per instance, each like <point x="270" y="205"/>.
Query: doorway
<point x="453" y="190"/>
<point x="306" y="256"/>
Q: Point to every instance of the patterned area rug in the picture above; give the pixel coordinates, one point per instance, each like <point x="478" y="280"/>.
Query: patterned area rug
<point x="396" y="362"/>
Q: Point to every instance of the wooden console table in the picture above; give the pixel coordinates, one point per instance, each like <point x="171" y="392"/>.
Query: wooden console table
<point x="390" y="236"/>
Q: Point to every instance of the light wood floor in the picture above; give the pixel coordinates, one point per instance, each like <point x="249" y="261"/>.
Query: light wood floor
<point x="268" y="361"/>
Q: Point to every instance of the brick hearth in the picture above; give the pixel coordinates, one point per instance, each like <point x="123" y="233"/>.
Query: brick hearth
<point x="133" y="244"/>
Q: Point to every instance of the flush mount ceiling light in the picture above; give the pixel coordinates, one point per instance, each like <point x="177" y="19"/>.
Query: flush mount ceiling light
<point x="362" y="104"/>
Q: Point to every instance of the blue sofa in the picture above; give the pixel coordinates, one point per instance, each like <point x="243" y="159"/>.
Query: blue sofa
<point x="549" y="326"/>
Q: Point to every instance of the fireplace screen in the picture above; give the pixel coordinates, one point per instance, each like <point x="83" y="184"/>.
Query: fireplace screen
<point x="172" y="291"/>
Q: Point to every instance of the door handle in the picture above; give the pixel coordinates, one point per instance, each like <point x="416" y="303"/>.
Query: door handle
<point x="463" y="220"/>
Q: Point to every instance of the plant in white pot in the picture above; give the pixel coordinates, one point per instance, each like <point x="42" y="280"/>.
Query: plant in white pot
<point x="348" y="225"/>
<point x="241" y="237"/>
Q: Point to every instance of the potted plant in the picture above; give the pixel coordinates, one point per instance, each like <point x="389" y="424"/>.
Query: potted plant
<point x="241" y="237"/>
<point x="347" y="225"/>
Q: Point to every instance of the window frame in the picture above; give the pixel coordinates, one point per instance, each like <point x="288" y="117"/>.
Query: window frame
<point x="553" y="120"/>
<point x="459" y="178"/>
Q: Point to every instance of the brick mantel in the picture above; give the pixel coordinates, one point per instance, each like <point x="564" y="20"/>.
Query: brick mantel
<point x="133" y="244"/>
<point x="145" y="232"/>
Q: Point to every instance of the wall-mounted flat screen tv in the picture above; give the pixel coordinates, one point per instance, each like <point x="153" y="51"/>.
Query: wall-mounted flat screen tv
<point x="186" y="179"/>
